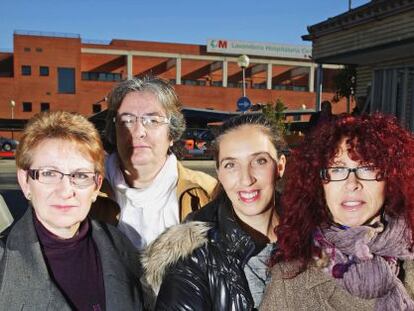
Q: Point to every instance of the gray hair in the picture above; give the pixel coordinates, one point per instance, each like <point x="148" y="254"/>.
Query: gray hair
<point x="165" y="95"/>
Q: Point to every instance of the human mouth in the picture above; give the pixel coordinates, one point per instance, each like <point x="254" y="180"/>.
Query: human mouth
<point x="248" y="196"/>
<point x="352" y="205"/>
<point x="63" y="207"/>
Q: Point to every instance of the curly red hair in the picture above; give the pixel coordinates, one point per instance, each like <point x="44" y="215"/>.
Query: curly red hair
<point x="372" y="139"/>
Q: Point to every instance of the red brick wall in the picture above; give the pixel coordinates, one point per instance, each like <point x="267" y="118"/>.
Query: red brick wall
<point x="57" y="52"/>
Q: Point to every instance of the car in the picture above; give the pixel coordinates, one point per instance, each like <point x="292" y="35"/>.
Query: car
<point x="8" y="144"/>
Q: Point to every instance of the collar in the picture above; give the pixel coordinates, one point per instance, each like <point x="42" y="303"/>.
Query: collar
<point x="239" y="243"/>
<point x="184" y="183"/>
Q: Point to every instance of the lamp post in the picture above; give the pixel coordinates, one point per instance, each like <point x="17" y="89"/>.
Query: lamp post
<point x="243" y="62"/>
<point x="12" y="105"/>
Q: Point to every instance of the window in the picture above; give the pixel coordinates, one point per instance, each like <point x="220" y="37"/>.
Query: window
<point x="39" y="50"/>
<point x="27" y="107"/>
<point x="101" y="76"/>
<point x="96" y="108"/>
<point x="44" y="106"/>
<point x="26" y="70"/>
<point x="26" y="49"/>
<point x="66" y="80"/>
<point x="43" y="71"/>
<point x="393" y="93"/>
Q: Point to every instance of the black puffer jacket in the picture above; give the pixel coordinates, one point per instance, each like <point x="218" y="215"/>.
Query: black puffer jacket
<point x="211" y="277"/>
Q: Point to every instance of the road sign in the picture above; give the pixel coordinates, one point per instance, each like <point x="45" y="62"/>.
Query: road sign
<point x="243" y="103"/>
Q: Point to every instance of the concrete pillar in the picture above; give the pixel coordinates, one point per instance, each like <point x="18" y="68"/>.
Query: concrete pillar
<point x="225" y="73"/>
<point x="311" y="79"/>
<point x="178" y="71"/>
<point x="129" y="66"/>
<point x="269" y="76"/>
<point x="319" y="80"/>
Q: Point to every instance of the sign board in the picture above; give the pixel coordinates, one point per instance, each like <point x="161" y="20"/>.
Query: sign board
<point x="243" y="103"/>
<point x="260" y="49"/>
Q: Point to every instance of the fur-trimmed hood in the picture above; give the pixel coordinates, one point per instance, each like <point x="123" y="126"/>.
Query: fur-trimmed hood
<point x="175" y="243"/>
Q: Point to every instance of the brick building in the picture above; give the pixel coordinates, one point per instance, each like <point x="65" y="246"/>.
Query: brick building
<point x="49" y="71"/>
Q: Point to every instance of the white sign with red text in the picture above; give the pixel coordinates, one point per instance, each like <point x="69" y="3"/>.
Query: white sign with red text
<point x="260" y="49"/>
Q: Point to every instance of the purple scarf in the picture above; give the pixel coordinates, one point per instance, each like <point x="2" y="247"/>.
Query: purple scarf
<point x="364" y="261"/>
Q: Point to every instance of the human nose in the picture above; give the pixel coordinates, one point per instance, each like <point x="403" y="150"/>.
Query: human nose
<point x="247" y="176"/>
<point x="139" y="128"/>
<point x="352" y="183"/>
<point x="65" y="187"/>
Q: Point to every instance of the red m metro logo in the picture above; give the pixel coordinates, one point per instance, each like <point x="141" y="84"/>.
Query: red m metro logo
<point x="222" y="44"/>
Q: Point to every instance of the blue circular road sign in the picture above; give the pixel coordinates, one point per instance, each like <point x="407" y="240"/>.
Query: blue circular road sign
<point x="243" y="103"/>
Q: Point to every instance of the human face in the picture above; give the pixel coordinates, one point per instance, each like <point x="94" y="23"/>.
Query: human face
<point x="139" y="146"/>
<point x="353" y="202"/>
<point x="59" y="207"/>
<point x="248" y="169"/>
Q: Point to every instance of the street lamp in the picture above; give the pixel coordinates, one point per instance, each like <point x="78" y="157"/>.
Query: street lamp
<point x="12" y="105"/>
<point x="243" y="62"/>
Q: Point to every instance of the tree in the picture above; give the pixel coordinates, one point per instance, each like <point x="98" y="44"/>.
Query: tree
<point x="274" y="111"/>
<point x="345" y="83"/>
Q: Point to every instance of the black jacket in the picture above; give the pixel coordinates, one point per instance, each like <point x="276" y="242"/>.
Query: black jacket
<point x="211" y="277"/>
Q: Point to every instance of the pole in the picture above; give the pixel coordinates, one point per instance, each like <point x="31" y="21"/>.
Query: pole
<point x="244" y="81"/>
<point x="12" y="105"/>
<point x="319" y="81"/>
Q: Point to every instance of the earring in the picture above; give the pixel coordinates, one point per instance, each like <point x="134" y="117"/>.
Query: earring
<point x="29" y="196"/>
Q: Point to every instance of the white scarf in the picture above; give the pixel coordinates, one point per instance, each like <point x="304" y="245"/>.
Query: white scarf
<point x="147" y="212"/>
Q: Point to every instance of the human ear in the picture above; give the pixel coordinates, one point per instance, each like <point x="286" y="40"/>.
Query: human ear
<point x="281" y="165"/>
<point x="23" y="180"/>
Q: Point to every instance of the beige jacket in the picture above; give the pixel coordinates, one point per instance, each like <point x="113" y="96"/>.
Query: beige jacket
<point x="194" y="190"/>
<point x="314" y="290"/>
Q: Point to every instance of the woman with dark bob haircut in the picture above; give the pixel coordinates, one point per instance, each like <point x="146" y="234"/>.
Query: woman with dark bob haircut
<point x="346" y="230"/>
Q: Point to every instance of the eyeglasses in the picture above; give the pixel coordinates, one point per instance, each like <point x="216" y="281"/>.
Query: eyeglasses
<point x="148" y="121"/>
<point x="49" y="176"/>
<point x="339" y="173"/>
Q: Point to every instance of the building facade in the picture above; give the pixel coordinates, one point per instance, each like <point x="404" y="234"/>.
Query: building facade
<point x="51" y="71"/>
<point x="377" y="39"/>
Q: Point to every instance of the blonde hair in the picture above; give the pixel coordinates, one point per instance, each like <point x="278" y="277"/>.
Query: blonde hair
<point x="63" y="125"/>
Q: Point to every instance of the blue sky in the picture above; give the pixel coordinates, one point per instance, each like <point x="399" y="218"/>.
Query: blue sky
<point x="181" y="21"/>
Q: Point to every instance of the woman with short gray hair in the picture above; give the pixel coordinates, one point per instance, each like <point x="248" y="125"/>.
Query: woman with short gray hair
<point x="152" y="188"/>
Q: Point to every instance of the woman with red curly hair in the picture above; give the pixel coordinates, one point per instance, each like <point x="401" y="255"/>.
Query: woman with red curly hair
<point x="346" y="231"/>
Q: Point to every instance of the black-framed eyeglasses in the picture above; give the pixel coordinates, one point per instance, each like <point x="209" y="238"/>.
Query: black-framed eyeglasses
<point x="148" y="121"/>
<point x="51" y="176"/>
<point x="339" y="173"/>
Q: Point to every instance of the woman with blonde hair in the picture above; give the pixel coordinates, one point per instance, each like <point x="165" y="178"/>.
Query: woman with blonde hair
<point x="55" y="257"/>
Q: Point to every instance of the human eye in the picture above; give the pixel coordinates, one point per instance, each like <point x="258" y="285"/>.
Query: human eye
<point x="263" y="159"/>
<point x="228" y="165"/>
<point x="49" y="173"/>
<point x="81" y="175"/>
<point x="367" y="169"/>
<point x="127" y="120"/>
<point x="151" y="120"/>
<point x="337" y="170"/>
<point x="83" y="178"/>
<point x="367" y="172"/>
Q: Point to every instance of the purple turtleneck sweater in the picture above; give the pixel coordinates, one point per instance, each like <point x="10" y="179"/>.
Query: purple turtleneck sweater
<point x="75" y="266"/>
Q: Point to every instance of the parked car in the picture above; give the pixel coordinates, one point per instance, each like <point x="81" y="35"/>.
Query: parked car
<point x="8" y="144"/>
